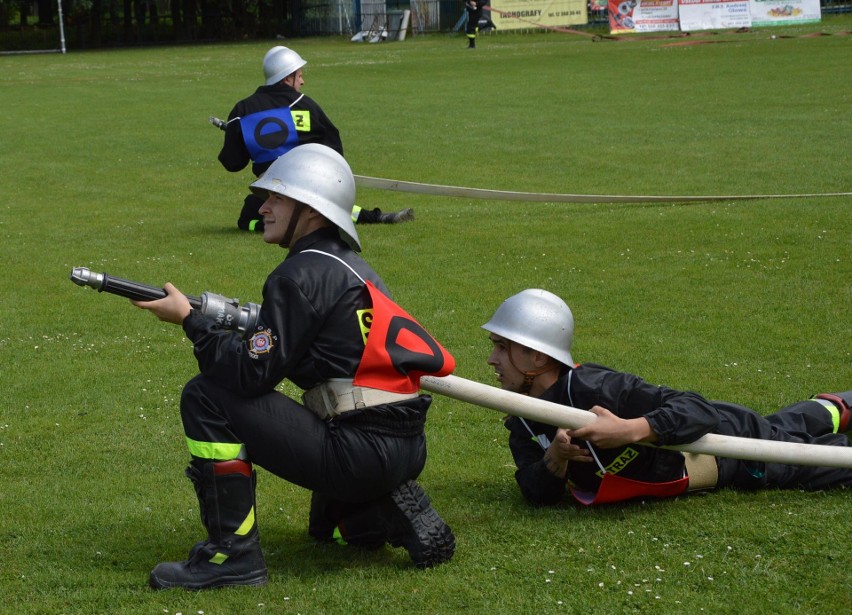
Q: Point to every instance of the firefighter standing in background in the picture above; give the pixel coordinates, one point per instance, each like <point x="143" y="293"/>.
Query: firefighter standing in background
<point x="474" y="10"/>
<point x="274" y="120"/>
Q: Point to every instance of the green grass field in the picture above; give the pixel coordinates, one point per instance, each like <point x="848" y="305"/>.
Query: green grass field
<point x="107" y="161"/>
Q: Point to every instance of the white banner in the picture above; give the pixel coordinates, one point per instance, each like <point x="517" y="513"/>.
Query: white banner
<point x="714" y="14"/>
<point x="784" y="12"/>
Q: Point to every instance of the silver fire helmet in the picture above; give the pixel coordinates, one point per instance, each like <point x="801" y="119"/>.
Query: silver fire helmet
<point x="319" y="177"/>
<point x="537" y="319"/>
<point x="279" y="62"/>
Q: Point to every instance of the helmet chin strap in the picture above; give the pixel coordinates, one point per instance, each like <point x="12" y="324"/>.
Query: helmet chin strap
<point x="529" y="377"/>
<point x="291" y="227"/>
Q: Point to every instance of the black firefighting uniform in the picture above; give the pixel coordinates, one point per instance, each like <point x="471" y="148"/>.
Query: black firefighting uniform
<point x="474" y="10"/>
<point x="314" y="127"/>
<point x="677" y="417"/>
<point x="308" y="332"/>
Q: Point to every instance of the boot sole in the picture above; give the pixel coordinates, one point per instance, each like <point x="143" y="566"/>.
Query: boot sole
<point x="434" y="542"/>
<point x="257" y="578"/>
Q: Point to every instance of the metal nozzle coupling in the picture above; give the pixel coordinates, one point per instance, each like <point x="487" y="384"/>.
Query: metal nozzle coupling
<point x="228" y="313"/>
<point x="83" y="276"/>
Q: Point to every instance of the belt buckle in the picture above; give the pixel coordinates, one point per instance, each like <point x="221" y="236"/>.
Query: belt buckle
<point x="330" y="401"/>
<point x="318" y="401"/>
<point x="358" y="398"/>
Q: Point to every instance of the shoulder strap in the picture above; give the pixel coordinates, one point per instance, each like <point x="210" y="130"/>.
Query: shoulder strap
<point x="588" y="444"/>
<point x="541" y="439"/>
<point x="337" y="258"/>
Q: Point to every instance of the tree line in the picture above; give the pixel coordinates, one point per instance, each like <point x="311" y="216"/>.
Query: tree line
<point x="96" y="23"/>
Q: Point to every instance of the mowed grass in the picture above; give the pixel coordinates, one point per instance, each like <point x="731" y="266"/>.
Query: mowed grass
<point x="107" y="161"/>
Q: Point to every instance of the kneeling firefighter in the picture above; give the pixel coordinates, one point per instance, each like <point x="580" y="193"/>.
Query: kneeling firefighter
<point x="356" y="440"/>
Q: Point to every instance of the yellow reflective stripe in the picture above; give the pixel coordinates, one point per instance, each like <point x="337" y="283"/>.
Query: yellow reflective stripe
<point x="301" y="119"/>
<point x="219" y="558"/>
<point x="246" y="525"/>
<point x="338" y="537"/>
<point x="356" y="211"/>
<point x="833" y="411"/>
<point x="365" y="321"/>
<point x="217" y="451"/>
<point x="620" y="462"/>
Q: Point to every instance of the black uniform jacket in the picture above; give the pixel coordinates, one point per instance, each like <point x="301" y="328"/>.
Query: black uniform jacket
<point x="677" y="417"/>
<point x="308" y="327"/>
<point x="235" y="156"/>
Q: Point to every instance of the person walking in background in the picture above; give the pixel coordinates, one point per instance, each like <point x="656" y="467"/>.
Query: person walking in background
<point x="475" y="18"/>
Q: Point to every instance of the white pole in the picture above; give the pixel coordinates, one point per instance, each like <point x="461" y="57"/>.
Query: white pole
<point x="61" y="28"/>
<point x="403" y="26"/>
<point x="792" y="453"/>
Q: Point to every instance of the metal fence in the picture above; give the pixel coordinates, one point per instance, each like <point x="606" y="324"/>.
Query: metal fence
<point x="107" y="24"/>
<point x="428" y="16"/>
<point x="836" y="6"/>
<point x="348" y="17"/>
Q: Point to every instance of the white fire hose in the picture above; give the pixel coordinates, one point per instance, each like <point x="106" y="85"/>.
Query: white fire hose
<point x="791" y="453"/>
<point x="381" y="183"/>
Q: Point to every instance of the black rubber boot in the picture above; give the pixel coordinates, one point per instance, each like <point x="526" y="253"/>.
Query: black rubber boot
<point x="250" y="218"/>
<point x="231" y="554"/>
<point x="413" y="523"/>
<point x="324" y="516"/>
<point x="190" y="473"/>
<point x="403" y="518"/>
<point x="361" y="527"/>
<point x="357" y="525"/>
<point x="397" y="216"/>
<point x="376" y="216"/>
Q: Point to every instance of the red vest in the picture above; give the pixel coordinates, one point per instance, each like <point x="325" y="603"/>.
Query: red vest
<point x="399" y="350"/>
<point x="616" y="488"/>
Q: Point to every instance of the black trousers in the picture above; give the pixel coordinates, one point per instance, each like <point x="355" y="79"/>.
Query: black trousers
<point x="806" y="422"/>
<point x="472" y="26"/>
<point x="250" y="218"/>
<point x="356" y="457"/>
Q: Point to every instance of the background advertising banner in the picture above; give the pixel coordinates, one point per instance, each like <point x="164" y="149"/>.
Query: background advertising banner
<point x="526" y="14"/>
<point x="784" y="12"/>
<point x="642" y="15"/>
<point x="714" y="14"/>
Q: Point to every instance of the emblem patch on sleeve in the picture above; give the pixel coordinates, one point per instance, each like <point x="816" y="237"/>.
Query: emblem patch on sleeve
<point x="261" y="343"/>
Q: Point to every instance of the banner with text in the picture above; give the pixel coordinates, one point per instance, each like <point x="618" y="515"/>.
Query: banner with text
<point x="714" y="14"/>
<point x="784" y="12"/>
<point x="642" y="16"/>
<point x="525" y="14"/>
